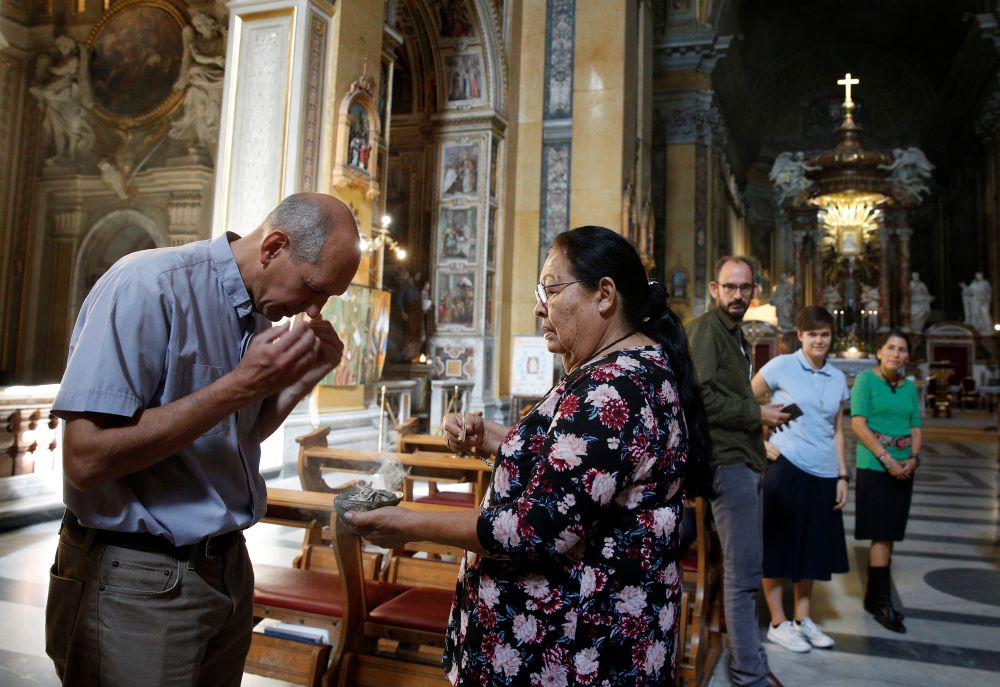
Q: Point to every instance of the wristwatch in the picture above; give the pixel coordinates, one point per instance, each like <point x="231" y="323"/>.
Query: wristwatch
<point x="846" y="478"/>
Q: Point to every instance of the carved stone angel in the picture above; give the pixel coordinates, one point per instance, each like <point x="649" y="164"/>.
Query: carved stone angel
<point x="202" y="72"/>
<point x="788" y="174"/>
<point x="910" y="171"/>
<point x="65" y="121"/>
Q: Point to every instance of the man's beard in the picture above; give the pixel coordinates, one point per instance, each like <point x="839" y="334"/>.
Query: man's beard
<point x="742" y="305"/>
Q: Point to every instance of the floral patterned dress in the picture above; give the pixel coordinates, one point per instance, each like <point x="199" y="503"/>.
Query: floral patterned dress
<point x="579" y="583"/>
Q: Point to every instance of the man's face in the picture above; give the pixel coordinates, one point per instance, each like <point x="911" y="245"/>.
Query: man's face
<point x="733" y="289"/>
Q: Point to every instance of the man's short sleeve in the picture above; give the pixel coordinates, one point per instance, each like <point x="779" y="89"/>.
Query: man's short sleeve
<point x="118" y="348"/>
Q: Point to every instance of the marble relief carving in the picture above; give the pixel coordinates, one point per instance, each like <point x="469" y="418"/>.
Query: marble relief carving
<point x="555" y="193"/>
<point x="67" y="125"/>
<point x="559" y="59"/>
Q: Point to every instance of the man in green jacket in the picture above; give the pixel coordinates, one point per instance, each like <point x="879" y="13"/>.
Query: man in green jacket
<point x="724" y="366"/>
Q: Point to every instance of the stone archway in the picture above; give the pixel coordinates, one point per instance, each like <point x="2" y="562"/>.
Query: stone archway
<point x="112" y="237"/>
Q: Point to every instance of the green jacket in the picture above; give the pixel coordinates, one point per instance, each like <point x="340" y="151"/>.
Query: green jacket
<point x="724" y="369"/>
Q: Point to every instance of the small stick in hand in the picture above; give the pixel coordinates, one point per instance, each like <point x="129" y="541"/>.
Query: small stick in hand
<point x="461" y="433"/>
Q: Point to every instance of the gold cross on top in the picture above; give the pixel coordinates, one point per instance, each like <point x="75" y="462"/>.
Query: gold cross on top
<point x="847" y="82"/>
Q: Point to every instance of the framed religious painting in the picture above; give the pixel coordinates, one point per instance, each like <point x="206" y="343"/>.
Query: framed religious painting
<point x="460" y="169"/>
<point x="464" y="78"/>
<point x="456" y="299"/>
<point x="454" y="22"/>
<point x="458" y="233"/>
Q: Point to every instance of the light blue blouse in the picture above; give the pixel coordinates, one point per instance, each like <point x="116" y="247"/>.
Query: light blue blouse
<point x="808" y="441"/>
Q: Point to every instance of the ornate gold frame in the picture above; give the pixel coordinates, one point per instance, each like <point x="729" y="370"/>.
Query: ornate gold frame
<point x="172" y="101"/>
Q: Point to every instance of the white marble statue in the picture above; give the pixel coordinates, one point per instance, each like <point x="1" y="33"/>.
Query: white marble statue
<point x="788" y="174"/>
<point x="783" y="300"/>
<point x="65" y="122"/>
<point x="832" y="300"/>
<point x="920" y="303"/>
<point x="909" y="171"/>
<point x="977" y="297"/>
<point x="202" y="72"/>
<point x="869" y="297"/>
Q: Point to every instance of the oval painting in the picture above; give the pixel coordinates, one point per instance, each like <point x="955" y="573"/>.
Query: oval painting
<point x="137" y="58"/>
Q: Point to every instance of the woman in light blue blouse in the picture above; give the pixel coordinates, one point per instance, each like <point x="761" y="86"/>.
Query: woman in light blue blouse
<point x="805" y="485"/>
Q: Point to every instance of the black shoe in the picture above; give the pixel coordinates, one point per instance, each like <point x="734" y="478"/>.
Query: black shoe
<point x="889" y="618"/>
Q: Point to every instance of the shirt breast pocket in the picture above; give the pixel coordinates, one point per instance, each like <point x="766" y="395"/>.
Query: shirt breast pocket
<point x="200" y="376"/>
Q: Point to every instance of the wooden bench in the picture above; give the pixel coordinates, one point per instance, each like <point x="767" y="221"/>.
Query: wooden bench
<point x="427" y="444"/>
<point x="701" y="603"/>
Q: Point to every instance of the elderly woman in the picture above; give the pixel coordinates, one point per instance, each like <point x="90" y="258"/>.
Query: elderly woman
<point x="885" y="416"/>
<point x="571" y="575"/>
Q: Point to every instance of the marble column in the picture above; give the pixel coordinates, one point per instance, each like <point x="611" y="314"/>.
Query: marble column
<point x="904" y="233"/>
<point x="800" y="271"/>
<point x="884" y="283"/>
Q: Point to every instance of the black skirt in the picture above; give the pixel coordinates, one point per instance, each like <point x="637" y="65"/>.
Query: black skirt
<point x="803" y="535"/>
<point x="883" y="505"/>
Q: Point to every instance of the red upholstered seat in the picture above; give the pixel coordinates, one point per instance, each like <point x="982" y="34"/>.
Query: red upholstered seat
<point x="689" y="561"/>
<point x="312" y="591"/>
<point x="421" y="608"/>
<point x="449" y="498"/>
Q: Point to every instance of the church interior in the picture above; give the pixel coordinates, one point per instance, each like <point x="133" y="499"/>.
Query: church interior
<point x="849" y="148"/>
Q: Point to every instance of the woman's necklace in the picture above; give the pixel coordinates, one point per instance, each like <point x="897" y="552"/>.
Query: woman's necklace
<point x="604" y="348"/>
<point x="892" y="384"/>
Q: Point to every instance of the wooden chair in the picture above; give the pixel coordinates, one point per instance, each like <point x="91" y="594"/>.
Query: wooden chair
<point x="428" y="443"/>
<point x="700" y="642"/>
<point x="968" y="395"/>
<point x="305" y="595"/>
<point x="386" y="645"/>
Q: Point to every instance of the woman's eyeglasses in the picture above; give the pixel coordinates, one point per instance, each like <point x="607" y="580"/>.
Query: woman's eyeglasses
<point x="542" y="290"/>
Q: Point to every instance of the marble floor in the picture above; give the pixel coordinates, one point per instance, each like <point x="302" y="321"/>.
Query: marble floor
<point x="947" y="577"/>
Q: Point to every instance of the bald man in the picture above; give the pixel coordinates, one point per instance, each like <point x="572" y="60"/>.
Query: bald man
<point x="175" y="376"/>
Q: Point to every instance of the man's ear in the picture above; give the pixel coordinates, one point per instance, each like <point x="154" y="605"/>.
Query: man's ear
<point x="272" y="244"/>
<point x="713" y="290"/>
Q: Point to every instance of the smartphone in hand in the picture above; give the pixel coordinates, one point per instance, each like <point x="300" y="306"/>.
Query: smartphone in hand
<point x="793" y="410"/>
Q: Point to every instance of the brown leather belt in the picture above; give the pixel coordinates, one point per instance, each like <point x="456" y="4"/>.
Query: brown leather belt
<point x="209" y="547"/>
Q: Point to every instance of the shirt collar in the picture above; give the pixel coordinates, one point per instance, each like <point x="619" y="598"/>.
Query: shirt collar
<point x="229" y="273"/>
<point x="725" y="319"/>
<point x="807" y="366"/>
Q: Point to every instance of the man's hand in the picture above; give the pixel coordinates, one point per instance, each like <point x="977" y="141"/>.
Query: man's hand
<point x="841" y="495"/>
<point x="772" y="416"/>
<point x="277" y="358"/>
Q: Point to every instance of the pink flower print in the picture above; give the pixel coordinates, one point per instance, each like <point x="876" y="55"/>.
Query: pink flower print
<point x="661" y="521"/>
<point x="631" y="600"/>
<point x="566" y="451"/>
<point x="674" y="440"/>
<point x="505" y="529"/>
<point x="511" y="445"/>
<point x="668" y="614"/>
<point x="548" y="406"/>
<point x="591" y="581"/>
<point x="487" y="616"/>
<point x="655" y="657"/>
<point x="601" y="394"/>
<point x="600" y="485"/>
<point x="633" y="626"/>
<point x="614" y="413"/>
<point x="489" y="595"/>
<point x="568" y="538"/>
<point x="669" y="393"/>
<point x="625" y="362"/>
<point x="585" y="664"/>
<point x="506" y="660"/>
<point x="535" y="586"/>
<point x="551" y="675"/>
<point x="501" y="478"/>
<point x="631" y="497"/>
<point x="569" y="627"/>
<point x="648" y="420"/>
<point x="525" y="628"/>
<point x="536" y="442"/>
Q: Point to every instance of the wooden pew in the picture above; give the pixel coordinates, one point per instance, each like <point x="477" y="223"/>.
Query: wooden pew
<point x="303" y="595"/>
<point x="700" y="642"/>
<point x="424" y="444"/>
<point x="387" y="646"/>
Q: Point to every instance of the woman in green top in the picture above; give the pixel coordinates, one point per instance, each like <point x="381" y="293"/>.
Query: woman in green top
<point x="885" y="416"/>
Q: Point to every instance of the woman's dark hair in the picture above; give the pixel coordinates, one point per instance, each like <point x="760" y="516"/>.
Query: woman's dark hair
<point x="884" y="337"/>
<point x="814" y="317"/>
<point x="596" y="252"/>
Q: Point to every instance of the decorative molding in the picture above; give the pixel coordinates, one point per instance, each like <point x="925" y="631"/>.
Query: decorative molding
<point x="560" y="44"/>
<point x="556" y="162"/>
<point x="700" y="228"/>
<point x="697" y="51"/>
<point x="316" y="73"/>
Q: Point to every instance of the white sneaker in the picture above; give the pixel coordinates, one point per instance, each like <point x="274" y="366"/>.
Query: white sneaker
<point x="787" y="636"/>
<point x="812" y="634"/>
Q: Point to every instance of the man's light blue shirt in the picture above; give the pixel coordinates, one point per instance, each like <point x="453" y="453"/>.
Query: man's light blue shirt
<point x="158" y="326"/>
<point x="808" y="441"/>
